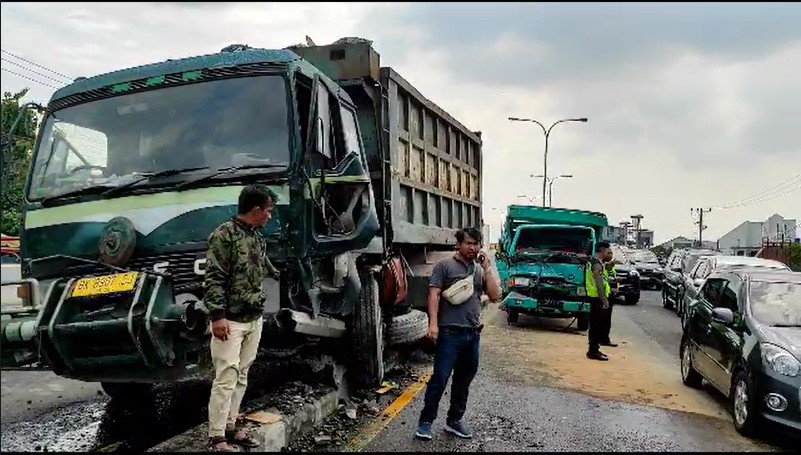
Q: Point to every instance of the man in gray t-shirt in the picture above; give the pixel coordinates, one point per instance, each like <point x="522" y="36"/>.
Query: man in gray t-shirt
<point x="455" y="329"/>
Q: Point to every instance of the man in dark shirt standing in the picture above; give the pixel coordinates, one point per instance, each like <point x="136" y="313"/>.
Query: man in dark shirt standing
<point x="455" y="329"/>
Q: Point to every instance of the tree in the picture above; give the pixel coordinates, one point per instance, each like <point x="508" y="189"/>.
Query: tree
<point x="16" y="158"/>
<point x="794" y="256"/>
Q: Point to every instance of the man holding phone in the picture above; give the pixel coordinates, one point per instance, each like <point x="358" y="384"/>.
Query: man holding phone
<point x="455" y="327"/>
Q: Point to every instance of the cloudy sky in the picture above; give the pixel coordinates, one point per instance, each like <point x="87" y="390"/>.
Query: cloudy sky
<point x="689" y="104"/>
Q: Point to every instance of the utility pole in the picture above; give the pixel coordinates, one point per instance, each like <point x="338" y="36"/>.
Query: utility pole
<point x="637" y="222"/>
<point x="700" y="223"/>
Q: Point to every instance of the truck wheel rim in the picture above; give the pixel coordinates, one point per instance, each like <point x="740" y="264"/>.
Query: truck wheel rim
<point x="740" y="402"/>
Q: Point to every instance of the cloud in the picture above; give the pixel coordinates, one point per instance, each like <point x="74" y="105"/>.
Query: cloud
<point x="689" y="104"/>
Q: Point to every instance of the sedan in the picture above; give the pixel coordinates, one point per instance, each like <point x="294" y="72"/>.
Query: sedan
<point x="743" y="335"/>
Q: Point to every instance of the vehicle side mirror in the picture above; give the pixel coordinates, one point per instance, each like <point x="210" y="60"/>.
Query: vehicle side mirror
<point x="698" y="282"/>
<point x="723" y="316"/>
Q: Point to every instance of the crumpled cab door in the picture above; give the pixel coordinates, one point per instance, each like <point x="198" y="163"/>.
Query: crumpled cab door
<point x="343" y="215"/>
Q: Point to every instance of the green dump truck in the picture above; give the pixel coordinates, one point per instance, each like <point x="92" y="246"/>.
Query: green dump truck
<point x="133" y="169"/>
<point x="542" y="261"/>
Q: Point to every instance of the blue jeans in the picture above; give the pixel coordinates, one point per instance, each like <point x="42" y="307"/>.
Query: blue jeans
<point x="457" y="352"/>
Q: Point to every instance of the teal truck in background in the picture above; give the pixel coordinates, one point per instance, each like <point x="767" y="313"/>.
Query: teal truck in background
<point x="542" y="260"/>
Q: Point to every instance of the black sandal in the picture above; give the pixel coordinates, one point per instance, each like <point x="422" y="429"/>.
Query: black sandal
<point x="243" y="440"/>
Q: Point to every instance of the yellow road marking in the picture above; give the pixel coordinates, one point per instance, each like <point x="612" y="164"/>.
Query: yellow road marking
<point x="377" y="426"/>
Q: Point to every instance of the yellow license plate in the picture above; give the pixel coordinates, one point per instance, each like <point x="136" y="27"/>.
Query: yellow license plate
<point x="101" y="285"/>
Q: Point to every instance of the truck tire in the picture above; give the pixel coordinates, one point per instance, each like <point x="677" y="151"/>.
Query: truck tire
<point x="583" y="322"/>
<point x="127" y="391"/>
<point x="407" y="328"/>
<point x="368" y="334"/>
<point x="512" y="315"/>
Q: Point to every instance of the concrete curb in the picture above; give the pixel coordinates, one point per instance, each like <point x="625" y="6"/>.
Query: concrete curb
<point x="274" y="436"/>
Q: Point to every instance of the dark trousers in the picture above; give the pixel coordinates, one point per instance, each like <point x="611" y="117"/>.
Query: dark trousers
<point x="457" y="352"/>
<point x="598" y="325"/>
<point x="607" y="322"/>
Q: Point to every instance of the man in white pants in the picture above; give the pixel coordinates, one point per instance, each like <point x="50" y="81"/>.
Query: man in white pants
<point x="236" y="265"/>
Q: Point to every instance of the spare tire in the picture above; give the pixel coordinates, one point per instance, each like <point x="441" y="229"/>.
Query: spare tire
<point x="408" y="328"/>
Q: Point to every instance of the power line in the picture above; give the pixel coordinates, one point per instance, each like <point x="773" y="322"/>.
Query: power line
<point x="761" y="194"/>
<point x="760" y="197"/>
<point x="768" y="197"/>
<point x="32" y="71"/>
<point x="36" y="64"/>
<point x="30" y="79"/>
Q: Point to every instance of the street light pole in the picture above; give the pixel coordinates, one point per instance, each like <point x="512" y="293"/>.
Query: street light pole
<point x="550" y="185"/>
<point x="547" y="135"/>
<point x="550" y="188"/>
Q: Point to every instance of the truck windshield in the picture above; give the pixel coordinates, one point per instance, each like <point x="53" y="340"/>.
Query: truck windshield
<point x="776" y="304"/>
<point x="195" y="128"/>
<point x="566" y="240"/>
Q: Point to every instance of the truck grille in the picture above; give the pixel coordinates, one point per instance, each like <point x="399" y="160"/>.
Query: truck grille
<point x="181" y="268"/>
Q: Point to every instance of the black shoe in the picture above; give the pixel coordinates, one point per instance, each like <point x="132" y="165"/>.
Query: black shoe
<point x="597" y="355"/>
<point x="610" y="344"/>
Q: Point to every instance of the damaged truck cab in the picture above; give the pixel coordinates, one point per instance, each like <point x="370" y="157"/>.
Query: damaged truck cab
<point x="542" y="261"/>
<point x="134" y="169"/>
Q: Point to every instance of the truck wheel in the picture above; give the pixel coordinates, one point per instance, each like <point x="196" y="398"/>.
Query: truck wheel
<point x="407" y="328"/>
<point x="127" y="391"/>
<point x="583" y="322"/>
<point x="368" y="334"/>
<point x="512" y="316"/>
<point x="632" y="299"/>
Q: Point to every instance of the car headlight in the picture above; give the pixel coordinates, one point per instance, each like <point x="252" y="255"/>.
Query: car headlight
<point x="521" y="281"/>
<point x="633" y="272"/>
<point x="659" y="270"/>
<point x="780" y="360"/>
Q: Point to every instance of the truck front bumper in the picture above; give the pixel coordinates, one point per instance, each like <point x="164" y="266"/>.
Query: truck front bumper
<point x="546" y="307"/>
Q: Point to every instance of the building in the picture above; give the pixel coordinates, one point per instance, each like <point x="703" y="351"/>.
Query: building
<point x="613" y="234"/>
<point x="747" y="238"/>
<point x="677" y="242"/>
<point x="644" y="239"/>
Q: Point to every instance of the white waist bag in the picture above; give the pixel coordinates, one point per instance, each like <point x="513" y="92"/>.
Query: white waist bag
<point x="460" y="291"/>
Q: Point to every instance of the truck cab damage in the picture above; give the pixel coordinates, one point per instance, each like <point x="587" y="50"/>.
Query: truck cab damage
<point x="132" y="170"/>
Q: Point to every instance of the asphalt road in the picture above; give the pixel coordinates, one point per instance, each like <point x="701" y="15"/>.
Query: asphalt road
<point x="536" y="391"/>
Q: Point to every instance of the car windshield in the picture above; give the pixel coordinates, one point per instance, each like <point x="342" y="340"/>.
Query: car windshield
<point x="692" y="258"/>
<point x="536" y="240"/>
<point x="777" y="304"/>
<point x="206" y="125"/>
<point x="643" y="256"/>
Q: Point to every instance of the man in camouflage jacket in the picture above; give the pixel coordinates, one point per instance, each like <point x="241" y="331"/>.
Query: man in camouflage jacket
<point x="236" y="265"/>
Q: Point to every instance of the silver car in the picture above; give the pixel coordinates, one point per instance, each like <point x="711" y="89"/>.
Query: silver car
<point x="706" y="265"/>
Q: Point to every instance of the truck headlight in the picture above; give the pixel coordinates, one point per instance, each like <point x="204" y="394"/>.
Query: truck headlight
<point x="521" y="281"/>
<point x="780" y="360"/>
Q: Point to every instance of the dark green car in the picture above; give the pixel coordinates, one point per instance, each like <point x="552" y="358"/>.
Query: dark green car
<point x="743" y="335"/>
